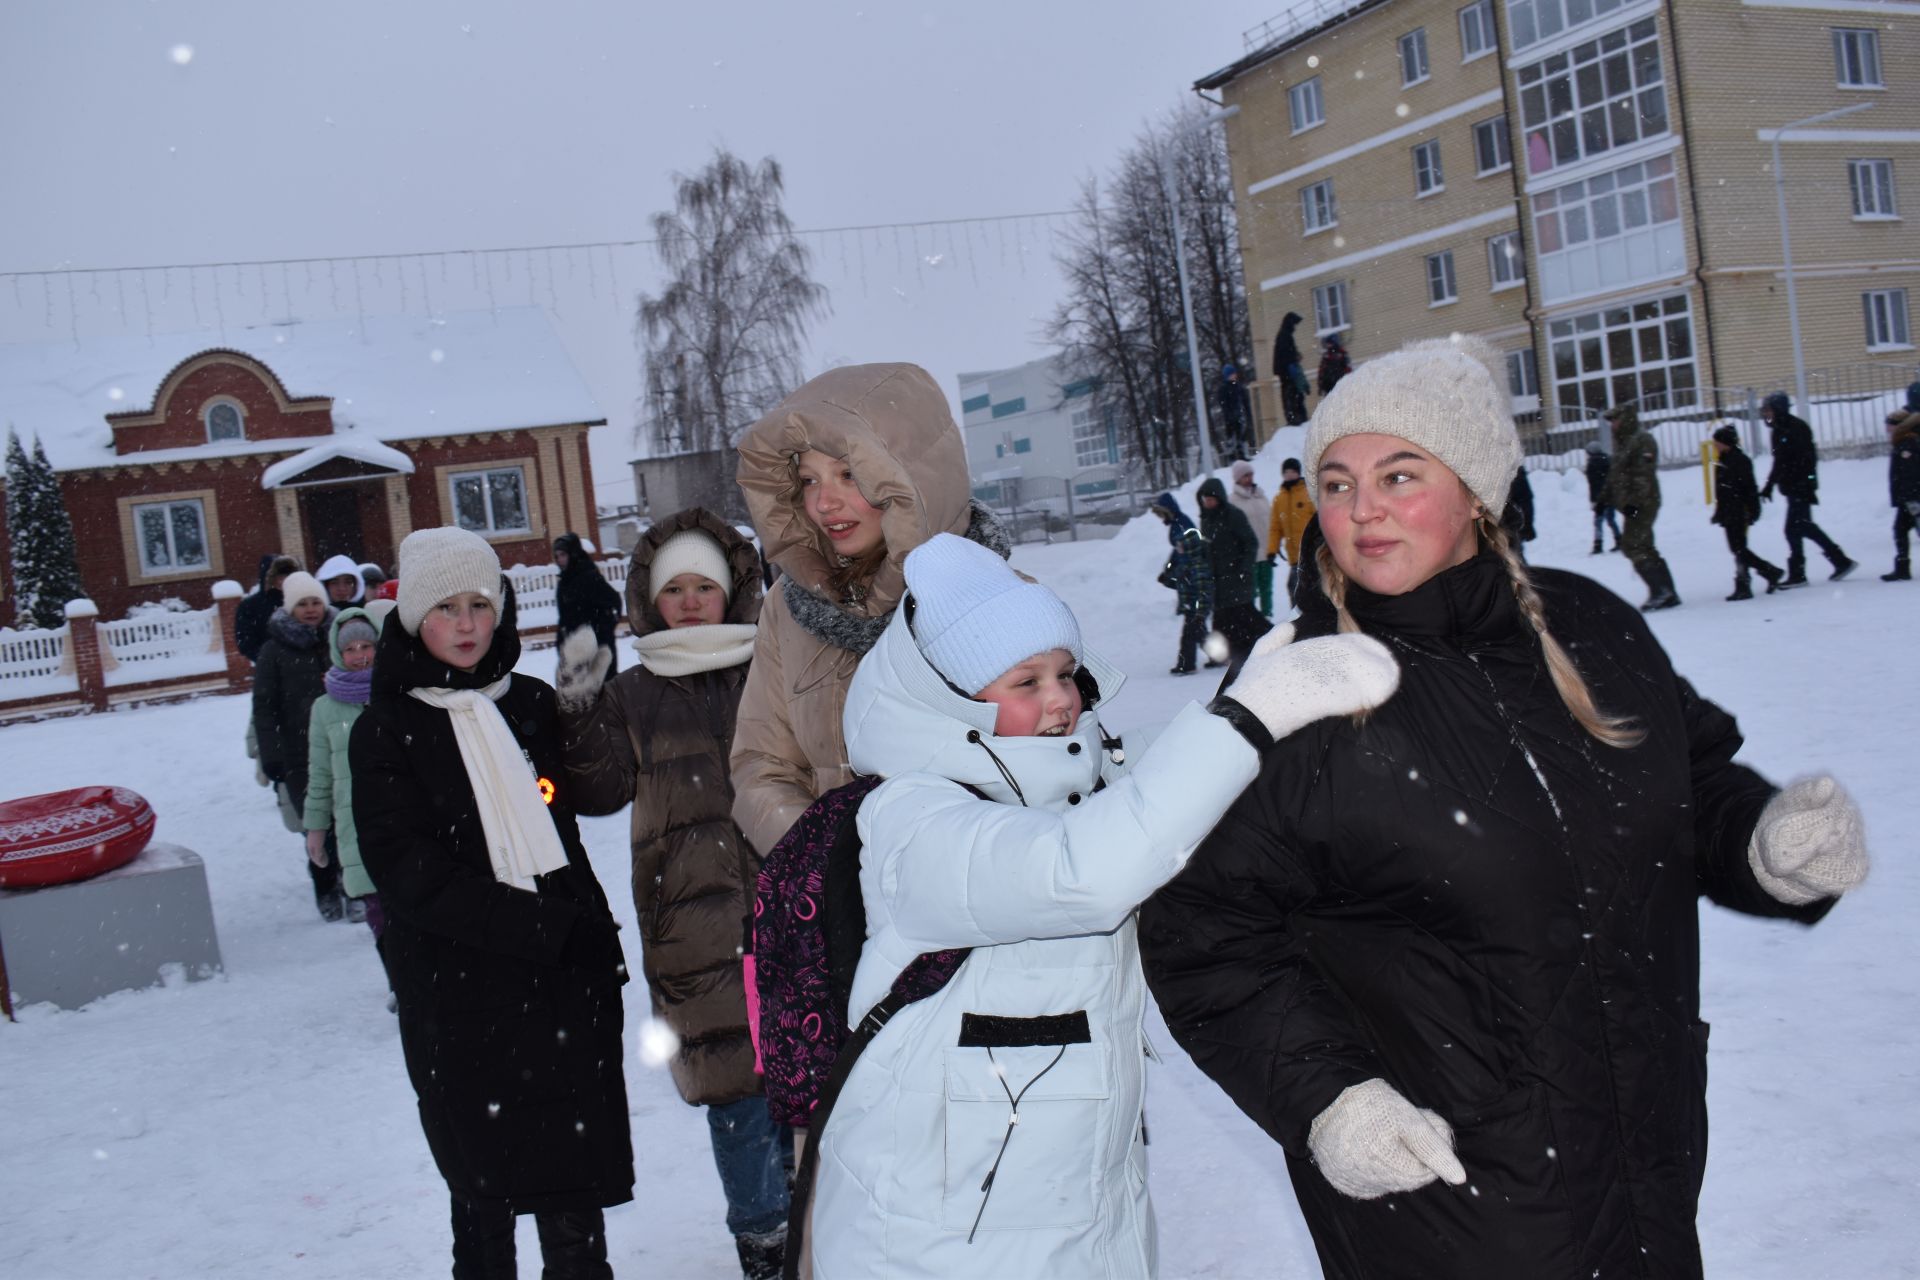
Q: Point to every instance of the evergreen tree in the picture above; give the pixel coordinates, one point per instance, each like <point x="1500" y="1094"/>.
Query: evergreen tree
<point x="59" y="568"/>
<point x="23" y="574"/>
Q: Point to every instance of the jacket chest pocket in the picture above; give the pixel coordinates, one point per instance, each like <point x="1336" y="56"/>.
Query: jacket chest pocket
<point x="1031" y="1164"/>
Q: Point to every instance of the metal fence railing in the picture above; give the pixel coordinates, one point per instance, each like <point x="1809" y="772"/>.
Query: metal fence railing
<point x="1092" y="503"/>
<point x="534" y="586"/>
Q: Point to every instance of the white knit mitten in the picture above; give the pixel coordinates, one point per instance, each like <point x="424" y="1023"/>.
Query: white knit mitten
<point x="584" y="663"/>
<point x="1809" y="843"/>
<point x="1288" y="683"/>
<point x="1371" y="1142"/>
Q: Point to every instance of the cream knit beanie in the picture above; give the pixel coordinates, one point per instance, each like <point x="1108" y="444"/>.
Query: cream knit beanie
<point x="975" y="618"/>
<point x="1446" y="395"/>
<point x="302" y="586"/>
<point x="437" y="563"/>
<point x="689" y="551"/>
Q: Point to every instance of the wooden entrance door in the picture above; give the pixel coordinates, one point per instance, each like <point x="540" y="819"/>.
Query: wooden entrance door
<point x="333" y="522"/>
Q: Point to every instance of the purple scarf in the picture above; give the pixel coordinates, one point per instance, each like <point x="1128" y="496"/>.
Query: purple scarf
<point x="353" y="687"/>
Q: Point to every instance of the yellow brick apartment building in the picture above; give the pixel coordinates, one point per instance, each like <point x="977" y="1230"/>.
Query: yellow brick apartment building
<point x="1586" y="183"/>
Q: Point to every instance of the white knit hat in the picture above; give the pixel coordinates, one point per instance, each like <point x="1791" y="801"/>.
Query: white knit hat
<point x="1442" y="394"/>
<point x="975" y="618"/>
<point x="299" y="586"/>
<point x="437" y="563"/>
<point x="689" y="551"/>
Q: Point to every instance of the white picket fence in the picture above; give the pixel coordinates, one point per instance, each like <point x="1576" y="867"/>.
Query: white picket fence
<point x="31" y="664"/>
<point x="534" y="586"/>
<point x="162" y="646"/>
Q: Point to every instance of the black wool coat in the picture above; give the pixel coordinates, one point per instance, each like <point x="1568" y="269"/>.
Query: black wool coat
<point x="1903" y="464"/>
<point x="1736" y="498"/>
<point x="1796" y="462"/>
<point x="289" y="674"/>
<point x="510" y="1013"/>
<point x="1232" y="545"/>
<point x="250" y="618"/>
<point x="583" y="598"/>
<point x="1471" y="898"/>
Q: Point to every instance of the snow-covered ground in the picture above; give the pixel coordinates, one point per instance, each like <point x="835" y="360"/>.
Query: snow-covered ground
<point x="261" y="1124"/>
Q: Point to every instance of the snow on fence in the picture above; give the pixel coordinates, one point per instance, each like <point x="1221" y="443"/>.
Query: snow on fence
<point x="34" y="664"/>
<point x="162" y="646"/>
<point x="534" y="586"/>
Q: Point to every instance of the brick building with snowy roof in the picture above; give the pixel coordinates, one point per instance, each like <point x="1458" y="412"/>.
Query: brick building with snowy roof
<point x="184" y="458"/>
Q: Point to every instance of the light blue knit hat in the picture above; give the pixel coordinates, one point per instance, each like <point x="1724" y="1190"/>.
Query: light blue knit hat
<point x="975" y="618"/>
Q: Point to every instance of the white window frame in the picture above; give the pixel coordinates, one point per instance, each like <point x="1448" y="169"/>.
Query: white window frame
<point x="1612" y="57"/>
<point x="1318" y="199"/>
<point x="1578" y="204"/>
<point x="1331" y="312"/>
<point x="1443" y="283"/>
<point x="1414" y="69"/>
<point x="1506" y="264"/>
<point x="224" y="402"/>
<point x="1496" y="129"/>
<point x="1871" y="182"/>
<point x="1523" y="375"/>
<point x="1575" y="336"/>
<point x="1856" y="53"/>
<point x="484" y="476"/>
<point x="1429" y="178"/>
<point x="1531" y="21"/>
<point x="174" y="566"/>
<point x="1092" y="445"/>
<point x="1479" y="17"/>
<point x="1889" y="325"/>
<point x="1305" y="99"/>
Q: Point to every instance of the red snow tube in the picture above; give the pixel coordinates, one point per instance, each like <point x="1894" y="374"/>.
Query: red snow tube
<point x="70" y="835"/>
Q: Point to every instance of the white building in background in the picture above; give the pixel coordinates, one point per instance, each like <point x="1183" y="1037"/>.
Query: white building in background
<point x="1032" y="431"/>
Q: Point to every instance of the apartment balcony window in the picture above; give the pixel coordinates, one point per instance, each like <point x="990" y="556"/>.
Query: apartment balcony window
<point x="1506" y="265"/>
<point x="1490" y="153"/>
<point x="1531" y="21"/>
<point x="1441" y="286"/>
<point x="1886" y="315"/>
<point x="1856" y="58"/>
<point x="1476" y="30"/>
<point x="1428" y="178"/>
<point x="1317" y="210"/>
<point x="1330" y="311"/>
<point x="1305" y="107"/>
<point x="1413" y="57"/>
<point x="1605" y="93"/>
<point x="1609" y="230"/>
<point x="1872" y="183"/>
<point x="1624" y="353"/>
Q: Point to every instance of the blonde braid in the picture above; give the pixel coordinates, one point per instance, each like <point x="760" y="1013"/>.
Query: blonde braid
<point x="1333" y="585"/>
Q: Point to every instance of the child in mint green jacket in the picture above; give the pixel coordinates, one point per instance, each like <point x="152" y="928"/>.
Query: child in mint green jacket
<point x="329" y="781"/>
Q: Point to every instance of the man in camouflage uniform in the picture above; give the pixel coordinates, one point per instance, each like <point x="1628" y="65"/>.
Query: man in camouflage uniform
<point x="1634" y="490"/>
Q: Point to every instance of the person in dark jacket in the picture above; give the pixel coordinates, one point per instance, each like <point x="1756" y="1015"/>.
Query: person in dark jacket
<point x="1233" y="547"/>
<point x="1236" y="412"/>
<point x="250" y="619"/>
<point x="1335" y="364"/>
<point x="1736" y="506"/>
<point x="503" y="954"/>
<point x="583" y="598"/>
<point x="1634" y="487"/>
<point x="1903" y="482"/>
<point x="289" y="675"/>
<point x="1189" y="574"/>
<point x="1518" y="517"/>
<point x="1598" y="465"/>
<point x="1796" y="473"/>
<point x="658" y="738"/>
<point x="1286" y="368"/>
<point x="1447" y="955"/>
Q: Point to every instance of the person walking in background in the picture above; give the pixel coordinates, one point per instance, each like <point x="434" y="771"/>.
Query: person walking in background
<point x="290" y="675"/>
<point x="1189" y="574"/>
<point x="1335" y="364"/>
<point x="1292" y="513"/>
<point x="373" y="577"/>
<point x="1796" y="474"/>
<point x="1286" y="368"/>
<point x="1253" y="503"/>
<point x="250" y="619"/>
<point x="1234" y="548"/>
<point x="1903" y="480"/>
<point x="1598" y="495"/>
<point x="1634" y="487"/>
<point x="1736" y="507"/>
<point x="1518" y="517"/>
<point x="583" y="599"/>
<point x="1236" y="412"/>
<point x="341" y="576"/>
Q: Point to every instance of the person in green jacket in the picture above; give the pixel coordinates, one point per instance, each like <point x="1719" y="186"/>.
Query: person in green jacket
<point x="329" y="809"/>
<point x="1634" y="490"/>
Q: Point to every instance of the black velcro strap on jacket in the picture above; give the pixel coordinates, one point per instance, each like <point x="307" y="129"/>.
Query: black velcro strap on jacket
<point x="995" y="1031"/>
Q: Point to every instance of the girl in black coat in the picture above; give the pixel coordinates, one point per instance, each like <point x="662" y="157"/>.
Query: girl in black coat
<point x="1447" y="955"/>
<point x="502" y="951"/>
<point x="289" y="674"/>
<point x="583" y="598"/>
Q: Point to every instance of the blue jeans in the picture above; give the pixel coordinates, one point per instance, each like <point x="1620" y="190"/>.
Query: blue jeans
<point x="751" y="1152"/>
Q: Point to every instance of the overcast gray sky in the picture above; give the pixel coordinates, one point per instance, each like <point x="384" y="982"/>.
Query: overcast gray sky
<point x="145" y="132"/>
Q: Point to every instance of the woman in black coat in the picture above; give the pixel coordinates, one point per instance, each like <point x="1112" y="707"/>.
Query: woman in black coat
<point x="1448" y="955"/>
<point x="507" y="973"/>
<point x="1233" y="547"/>
<point x="1286" y="367"/>
<point x="289" y="674"/>
<point x="583" y="598"/>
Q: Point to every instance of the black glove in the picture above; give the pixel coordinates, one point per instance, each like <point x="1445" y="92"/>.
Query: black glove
<point x="1766" y="493"/>
<point x="1630" y="512"/>
<point x="276" y="773"/>
<point x="593" y="945"/>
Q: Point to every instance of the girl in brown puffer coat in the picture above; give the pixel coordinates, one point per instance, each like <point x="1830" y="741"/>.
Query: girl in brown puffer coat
<point x="658" y="736"/>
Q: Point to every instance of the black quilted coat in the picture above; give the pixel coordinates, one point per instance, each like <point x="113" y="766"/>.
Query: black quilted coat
<point x="1472" y="898"/>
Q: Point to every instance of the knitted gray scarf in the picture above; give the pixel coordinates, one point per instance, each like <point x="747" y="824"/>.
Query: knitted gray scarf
<point x="857" y="633"/>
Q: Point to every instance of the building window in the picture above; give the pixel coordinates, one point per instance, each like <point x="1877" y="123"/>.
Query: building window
<point x="1490" y="154"/>
<point x="1441" y="287"/>
<point x="1603" y="94"/>
<point x="1304" y="104"/>
<point x="1522" y="379"/>
<point x="1007" y="408"/>
<point x="1506" y="265"/>
<point x="225" y="421"/>
<point x="1531" y="21"/>
<point x="172" y="536"/>
<point x="1606" y="206"/>
<point x="1621" y="354"/>
<point x="1023" y="445"/>
<point x="1856" y="58"/>
<point x="1872" y="182"/>
<point x="1093" y="442"/>
<point x="490" y="502"/>
<point x="1317" y="211"/>
<point x="1413" y="57"/>
<point x="1476" y="30"/>
<point x="1427" y="176"/>
<point x="974" y="404"/>
<point x="1330" y="311"/>
<point x="1886" y="313"/>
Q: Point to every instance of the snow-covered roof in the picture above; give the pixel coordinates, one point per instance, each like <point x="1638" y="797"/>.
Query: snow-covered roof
<point x="391" y="378"/>
<point x="359" y="449"/>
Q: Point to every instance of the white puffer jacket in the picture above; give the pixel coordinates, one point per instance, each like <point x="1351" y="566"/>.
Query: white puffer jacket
<point x="1045" y="892"/>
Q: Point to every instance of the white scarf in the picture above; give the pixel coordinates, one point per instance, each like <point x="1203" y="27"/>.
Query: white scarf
<point x="521" y="839"/>
<point x="685" y="651"/>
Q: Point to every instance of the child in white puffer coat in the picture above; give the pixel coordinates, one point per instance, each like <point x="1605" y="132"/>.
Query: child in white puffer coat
<point x="994" y="1127"/>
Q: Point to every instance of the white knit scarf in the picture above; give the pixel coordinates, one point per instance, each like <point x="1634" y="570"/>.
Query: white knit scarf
<point x="521" y="839"/>
<point x="685" y="651"/>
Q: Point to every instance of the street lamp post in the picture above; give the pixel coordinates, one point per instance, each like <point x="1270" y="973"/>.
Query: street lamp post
<point x="1786" y="248"/>
<point x="1207" y="462"/>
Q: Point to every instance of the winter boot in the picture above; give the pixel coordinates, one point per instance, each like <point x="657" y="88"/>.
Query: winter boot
<point x="763" y="1255"/>
<point x="1796" y="573"/>
<point x="1597" y="548"/>
<point x="1774" y="575"/>
<point x="1660" y="583"/>
<point x="1742" y="588"/>
<point x="1901" y="571"/>
<point x="330" y="904"/>
<point x="1842" y="566"/>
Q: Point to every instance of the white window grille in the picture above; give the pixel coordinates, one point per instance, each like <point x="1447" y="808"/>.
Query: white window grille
<point x="1413" y="57"/>
<point x="1093" y="442"/>
<point x="1872" y="183"/>
<point x="1476" y="30"/>
<point x="1441" y="286"/>
<point x="1531" y="21"/>
<point x="1624" y="353"/>
<point x="1317" y="210"/>
<point x="1593" y="98"/>
<point x="1305" y="106"/>
<point x="1522" y="378"/>
<point x="225" y="421"/>
<point x="1506" y="265"/>
<point x="1428" y="178"/>
<point x="1490" y="149"/>
<point x="172" y="536"/>
<point x="1330" y="311"/>
<point x="1856" y="58"/>
<point x="1606" y="206"/>
<point x="490" y="502"/>
<point x="1886" y="315"/>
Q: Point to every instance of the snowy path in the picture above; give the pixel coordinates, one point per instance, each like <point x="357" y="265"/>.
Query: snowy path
<point x="261" y="1125"/>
